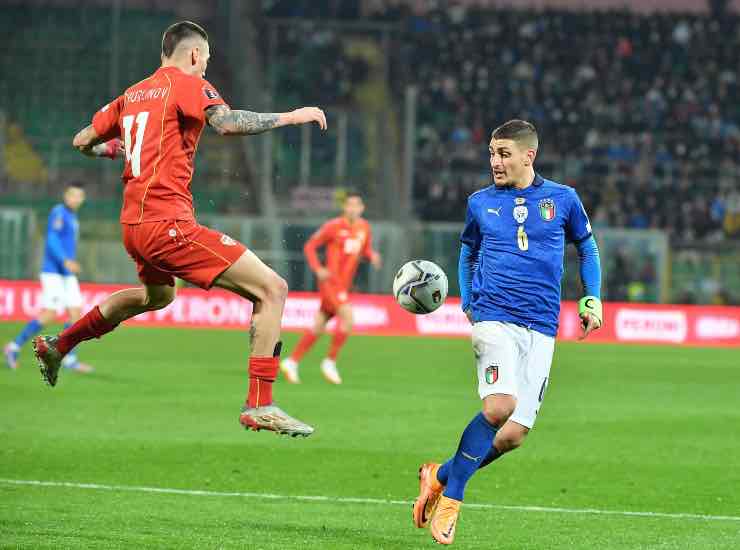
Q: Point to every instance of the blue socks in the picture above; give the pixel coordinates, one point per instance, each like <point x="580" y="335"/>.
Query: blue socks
<point x="28" y="332"/>
<point x="443" y="473"/>
<point x="475" y="444"/>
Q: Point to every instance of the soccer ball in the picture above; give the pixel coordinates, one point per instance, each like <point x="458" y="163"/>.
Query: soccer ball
<point x="420" y="286"/>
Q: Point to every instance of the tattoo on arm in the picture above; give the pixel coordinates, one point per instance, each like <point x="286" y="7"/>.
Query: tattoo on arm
<point x="228" y="122"/>
<point x="86" y="139"/>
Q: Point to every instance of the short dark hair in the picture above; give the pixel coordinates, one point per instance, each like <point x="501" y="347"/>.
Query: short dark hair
<point x="74" y="183"/>
<point x="178" y="32"/>
<point x="521" y="131"/>
<point x="350" y="194"/>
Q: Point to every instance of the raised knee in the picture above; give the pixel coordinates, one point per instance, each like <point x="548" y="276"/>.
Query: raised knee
<point x="277" y="290"/>
<point x="160" y="301"/>
<point x="497" y="413"/>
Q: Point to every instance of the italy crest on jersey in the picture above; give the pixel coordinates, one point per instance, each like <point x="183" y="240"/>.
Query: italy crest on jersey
<point x="547" y="209"/>
<point x="491" y="374"/>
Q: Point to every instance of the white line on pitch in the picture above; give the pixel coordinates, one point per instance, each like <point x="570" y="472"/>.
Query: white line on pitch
<point x="357" y="500"/>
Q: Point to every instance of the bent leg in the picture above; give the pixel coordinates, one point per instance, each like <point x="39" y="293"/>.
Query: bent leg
<point x="497" y="361"/>
<point x="496" y="410"/>
<point x="251" y="278"/>
<point x="115" y="309"/>
<point x="124" y="304"/>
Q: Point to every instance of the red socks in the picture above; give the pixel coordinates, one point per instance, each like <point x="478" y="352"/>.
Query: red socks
<point x="307" y="340"/>
<point x="262" y="373"/>
<point x="336" y="344"/>
<point x="92" y="325"/>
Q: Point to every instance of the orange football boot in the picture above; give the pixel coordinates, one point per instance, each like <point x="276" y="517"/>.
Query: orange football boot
<point x="444" y="521"/>
<point x="430" y="490"/>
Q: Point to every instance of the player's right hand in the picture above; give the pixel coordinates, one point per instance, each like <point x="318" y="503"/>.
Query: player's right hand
<point x="469" y="315"/>
<point x="72" y="266"/>
<point x="323" y="274"/>
<point x="115" y="148"/>
<point x="309" y="114"/>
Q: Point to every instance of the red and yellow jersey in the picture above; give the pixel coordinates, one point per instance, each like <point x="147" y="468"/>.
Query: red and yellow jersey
<point x="160" y="120"/>
<point x="345" y="244"/>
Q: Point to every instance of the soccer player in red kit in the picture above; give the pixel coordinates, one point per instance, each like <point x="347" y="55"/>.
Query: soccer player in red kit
<point x="346" y="240"/>
<point x="160" y="120"/>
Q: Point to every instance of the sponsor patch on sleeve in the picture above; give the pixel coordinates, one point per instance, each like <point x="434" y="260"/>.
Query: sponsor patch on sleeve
<point x="210" y="93"/>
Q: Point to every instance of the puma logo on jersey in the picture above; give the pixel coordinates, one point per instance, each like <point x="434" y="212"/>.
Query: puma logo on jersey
<point x="496" y="211"/>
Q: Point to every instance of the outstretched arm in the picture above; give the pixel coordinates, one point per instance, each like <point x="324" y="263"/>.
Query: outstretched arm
<point x="228" y="122"/>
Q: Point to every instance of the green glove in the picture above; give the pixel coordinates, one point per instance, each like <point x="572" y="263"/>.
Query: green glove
<point x="592" y="305"/>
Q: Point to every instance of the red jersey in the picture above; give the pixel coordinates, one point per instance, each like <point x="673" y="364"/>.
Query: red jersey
<point x="345" y="243"/>
<point x="160" y="120"/>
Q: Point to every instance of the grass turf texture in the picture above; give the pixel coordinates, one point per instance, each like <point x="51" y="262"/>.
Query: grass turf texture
<point x="622" y="428"/>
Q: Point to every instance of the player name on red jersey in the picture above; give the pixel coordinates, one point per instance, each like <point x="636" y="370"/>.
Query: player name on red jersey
<point x="133" y="96"/>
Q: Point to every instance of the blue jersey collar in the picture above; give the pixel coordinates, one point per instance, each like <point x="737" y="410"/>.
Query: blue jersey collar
<point x="538" y="181"/>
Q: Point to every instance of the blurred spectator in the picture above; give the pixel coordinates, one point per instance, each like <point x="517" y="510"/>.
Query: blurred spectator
<point x="649" y="101"/>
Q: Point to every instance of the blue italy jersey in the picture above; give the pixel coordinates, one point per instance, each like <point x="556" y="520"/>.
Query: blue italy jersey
<point x="519" y="239"/>
<point x="62" y="232"/>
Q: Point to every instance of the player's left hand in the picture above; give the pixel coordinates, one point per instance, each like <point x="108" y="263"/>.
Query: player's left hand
<point x="591" y="312"/>
<point x="375" y="260"/>
<point x="309" y="114"/>
<point x="589" y="323"/>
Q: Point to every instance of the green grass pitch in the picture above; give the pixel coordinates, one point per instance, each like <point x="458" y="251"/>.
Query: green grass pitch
<point x="622" y="429"/>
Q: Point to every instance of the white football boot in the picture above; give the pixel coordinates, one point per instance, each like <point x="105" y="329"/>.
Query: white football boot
<point x="330" y="372"/>
<point x="289" y="368"/>
<point x="274" y="419"/>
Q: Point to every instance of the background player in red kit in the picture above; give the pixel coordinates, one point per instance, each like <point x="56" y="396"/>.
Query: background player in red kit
<point x="160" y="120"/>
<point x="346" y="239"/>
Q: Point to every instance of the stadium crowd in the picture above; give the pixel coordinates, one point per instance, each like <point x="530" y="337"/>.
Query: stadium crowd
<point x="622" y="101"/>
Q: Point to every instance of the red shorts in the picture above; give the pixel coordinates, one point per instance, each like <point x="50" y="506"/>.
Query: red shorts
<point x="179" y="248"/>
<point x="332" y="296"/>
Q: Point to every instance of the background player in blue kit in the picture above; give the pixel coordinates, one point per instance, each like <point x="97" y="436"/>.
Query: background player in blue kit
<point x="59" y="269"/>
<point x="511" y="265"/>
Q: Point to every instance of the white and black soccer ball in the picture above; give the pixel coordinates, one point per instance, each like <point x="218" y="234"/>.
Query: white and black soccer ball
<point x="420" y="286"/>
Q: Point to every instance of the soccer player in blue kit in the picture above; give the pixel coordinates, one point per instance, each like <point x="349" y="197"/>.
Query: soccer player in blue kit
<point x="59" y="268"/>
<point x="511" y="265"/>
